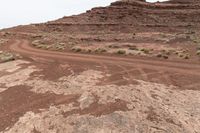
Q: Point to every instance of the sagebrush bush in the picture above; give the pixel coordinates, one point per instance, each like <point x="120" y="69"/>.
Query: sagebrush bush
<point x="198" y="52"/>
<point x="121" y="52"/>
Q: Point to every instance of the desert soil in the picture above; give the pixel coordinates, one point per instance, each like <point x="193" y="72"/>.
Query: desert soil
<point x="48" y="91"/>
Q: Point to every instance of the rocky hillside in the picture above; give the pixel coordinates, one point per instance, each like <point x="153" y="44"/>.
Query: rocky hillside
<point x="128" y="15"/>
<point x="134" y="26"/>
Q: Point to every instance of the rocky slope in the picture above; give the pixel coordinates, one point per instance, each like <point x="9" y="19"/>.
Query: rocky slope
<point x="129" y="15"/>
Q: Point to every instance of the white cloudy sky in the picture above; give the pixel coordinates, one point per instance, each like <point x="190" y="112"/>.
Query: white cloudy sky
<point x="16" y="12"/>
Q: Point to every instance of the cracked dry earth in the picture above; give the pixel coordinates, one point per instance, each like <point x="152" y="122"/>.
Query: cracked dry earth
<point x="77" y="102"/>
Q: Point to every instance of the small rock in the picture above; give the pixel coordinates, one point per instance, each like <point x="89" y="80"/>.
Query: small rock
<point x="86" y="100"/>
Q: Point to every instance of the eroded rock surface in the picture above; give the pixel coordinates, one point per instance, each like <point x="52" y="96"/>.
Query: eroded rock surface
<point x="80" y="105"/>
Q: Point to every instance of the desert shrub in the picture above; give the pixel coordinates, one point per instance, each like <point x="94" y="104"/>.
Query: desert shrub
<point x="198" y="47"/>
<point x="121" y="52"/>
<point x="36" y="36"/>
<point x="195" y="39"/>
<point x="5" y="57"/>
<point x="187" y="56"/>
<point x="58" y="47"/>
<point x="176" y="52"/>
<point x="133" y="48"/>
<point x="39" y="46"/>
<point x="100" y="50"/>
<point x="163" y="50"/>
<point x="78" y="50"/>
<point x="167" y="52"/>
<point x="165" y="56"/>
<point x="47" y="47"/>
<point x="89" y="50"/>
<point x="198" y="52"/>
<point x="113" y="46"/>
<point x="35" y="42"/>
<point x="146" y="51"/>
<point x="159" y="55"/>
<point x="184" y="55"/>
<point x="2" y="41"/>
<point x="110" y="46"/>
<point x="180" y="55"/>
<point x="8" y="58"/>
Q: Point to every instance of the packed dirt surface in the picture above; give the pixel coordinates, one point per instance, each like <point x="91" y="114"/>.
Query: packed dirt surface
<point x="131" y="67"/>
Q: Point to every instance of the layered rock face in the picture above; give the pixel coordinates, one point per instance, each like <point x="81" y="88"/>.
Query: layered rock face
<point x="129" y="15"/>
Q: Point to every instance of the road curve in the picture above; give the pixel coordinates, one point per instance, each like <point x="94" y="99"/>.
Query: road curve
<point x="23" y="47"/>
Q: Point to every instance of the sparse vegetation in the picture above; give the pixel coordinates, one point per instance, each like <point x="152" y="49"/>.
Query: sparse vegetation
<point x="159" y="55"/>
<point x="165" y="56"/>
<point x="195" y="38"/>
<point x="76" y="49"/>
<point x="42" y="45"/>
<point x="57" y="46"/>
<point x="2" y="41"/>
<point x="183" y="54"/>
<point x="5" y="56"/>
<point x="100" y="50"/>
<point x="144" y="50"/>
<point x="166" y="52"/>
<point x="198" y="52"/>
<point x="187" y="56"/>
<point x="133" y="48"/>
<point x="113" y="46"/>
<point x="89" y="50"/>
<point x="180" y="55"/>
<point x="36" y="36"/>
<point x="162" y="55"/>
<point x="122" y="52"/>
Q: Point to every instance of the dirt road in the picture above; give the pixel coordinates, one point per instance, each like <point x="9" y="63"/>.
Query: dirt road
<point x="24" y="47"/>
<point x="175" y="73"/>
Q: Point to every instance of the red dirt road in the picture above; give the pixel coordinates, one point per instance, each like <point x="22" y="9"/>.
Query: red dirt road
<point x="184" y="75"/>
